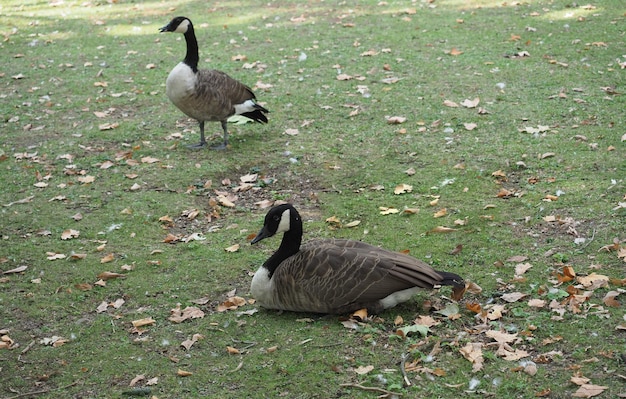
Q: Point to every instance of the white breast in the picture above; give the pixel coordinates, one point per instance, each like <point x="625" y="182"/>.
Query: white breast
<point x="261" y="288"/>
<point x="180" y="83"/>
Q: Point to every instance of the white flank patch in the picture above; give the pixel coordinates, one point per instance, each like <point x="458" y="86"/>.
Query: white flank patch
<point x="246" y="106"/>
<point x="398" y="297"/>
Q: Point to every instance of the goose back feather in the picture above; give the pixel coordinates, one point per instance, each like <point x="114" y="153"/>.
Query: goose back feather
<point x="336" y="275"/>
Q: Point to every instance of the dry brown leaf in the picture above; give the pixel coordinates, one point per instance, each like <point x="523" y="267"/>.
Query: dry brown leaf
<point x="232" y="351"/>
<point x="609" y="299"/>
<point x="190" y="312"/>
<point x="450" y="104"/>
<point x="470" y="103"/>
<point x="183" y="373"/>
<point x="110" y="275"/>
<point x="108" y="258"/>
<point x="18" y="269"/>
<point x="402" y="189"/>
<point x="474" y="353"/>
<point x="501" y="337"/>
<point x="387" y="211"/>
<point x="593" y="281"/>
<point x="522" y="268"/>
<point x="146" y="321"/>
<point x="232" y="248"/>
<point x="513" y="296"/>
<point x="231" y="303"/>
<point x="69" y="233"/>
<point x="149" y="160"/>
<point x="396" y="120"/>
<point x="361" y="370"/>
<point x="440" y="213"/>
<point x="589" y="390"/>
<point x="536" y="303"/>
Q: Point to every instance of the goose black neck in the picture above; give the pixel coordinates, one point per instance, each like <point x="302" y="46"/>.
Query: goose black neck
<point x="289" y="246"/>
<point x="192" y="57"/>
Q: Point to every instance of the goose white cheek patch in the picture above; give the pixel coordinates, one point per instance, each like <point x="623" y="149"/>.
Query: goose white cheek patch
<point x="182" y="28"/>
<point x="284" y="222"/>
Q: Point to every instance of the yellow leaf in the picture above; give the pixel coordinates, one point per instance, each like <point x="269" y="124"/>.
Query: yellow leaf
<point x="183" y="373"/>
<point x="146" y="321"/>
<point x="402" y="189"/>
<point x="108" y="258"/>
<point x="387" y="211"/>
<point x="232" y="351"/>
<point x="110" y="275"/>
<point x="440" y="213"/>
<point x="232" y="248"/>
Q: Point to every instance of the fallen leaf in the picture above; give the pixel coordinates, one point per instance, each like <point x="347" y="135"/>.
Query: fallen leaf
<point x="110" y="275"/>
<point x="232" y="248"/>
<point x="396" y="120"/>
<point x="143" y="322"/>
<point x="183" y="373"/>
<point x="402" y="189"/>
<point x="361" y="370"/>
<point x="69" y="233"/>
<point x="18" y="269"/>
<point x="442" y="229"/>
<point x="588" y="391"/>
<point x="470" y="103"/>
<point x="513" y="296"/>
<point x="472" y="351"/>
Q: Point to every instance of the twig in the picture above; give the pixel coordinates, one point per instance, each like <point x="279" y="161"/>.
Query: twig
<point x="27" y="348"/>
<point x="593" y="235"/>
<point x="33" y="393"/>
<point x="19" y="357"/>
<point x="385" y="392"/>
<point x="239" y="366"/>
<point x="403" y="357"/>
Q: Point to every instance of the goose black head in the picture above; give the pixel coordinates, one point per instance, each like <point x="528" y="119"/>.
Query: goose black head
<point x="178" y="24"/>
<point x="277" y="220"/>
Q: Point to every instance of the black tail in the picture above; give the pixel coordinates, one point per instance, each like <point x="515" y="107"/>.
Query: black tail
<point x="258" y="115"/>
<point x="451" y="279"/>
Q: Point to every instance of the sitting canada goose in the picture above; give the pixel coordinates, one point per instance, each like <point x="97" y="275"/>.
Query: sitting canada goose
<point x="207" y="95"/>
<point x="336" y="275"/>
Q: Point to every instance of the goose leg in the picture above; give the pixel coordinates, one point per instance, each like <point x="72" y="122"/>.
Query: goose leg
<point x="224" y="145"/>
<point x="202" y="142"/>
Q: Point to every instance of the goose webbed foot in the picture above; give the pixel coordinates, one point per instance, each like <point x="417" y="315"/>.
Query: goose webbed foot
<point x="220" y="147"/>
<point x="197" y="146"/>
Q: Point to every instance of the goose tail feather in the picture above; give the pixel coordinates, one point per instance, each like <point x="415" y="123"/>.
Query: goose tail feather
<point x="257" y="115"/>
<point x="452" y="279"/>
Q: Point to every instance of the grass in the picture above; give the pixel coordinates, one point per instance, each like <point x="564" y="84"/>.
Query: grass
<point x="67" y="62"/>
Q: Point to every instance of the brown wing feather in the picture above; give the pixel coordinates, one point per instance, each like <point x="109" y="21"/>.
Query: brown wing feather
<point x="216" y="94"/>
<point x="316" y="278"/>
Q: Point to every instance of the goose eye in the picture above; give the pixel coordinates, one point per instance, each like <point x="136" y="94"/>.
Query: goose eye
<point x="277" y="218"/>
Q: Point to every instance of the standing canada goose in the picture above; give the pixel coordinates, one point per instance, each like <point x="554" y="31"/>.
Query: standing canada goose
<point x="207" y="94"/>
<point x="336" y="275"/>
